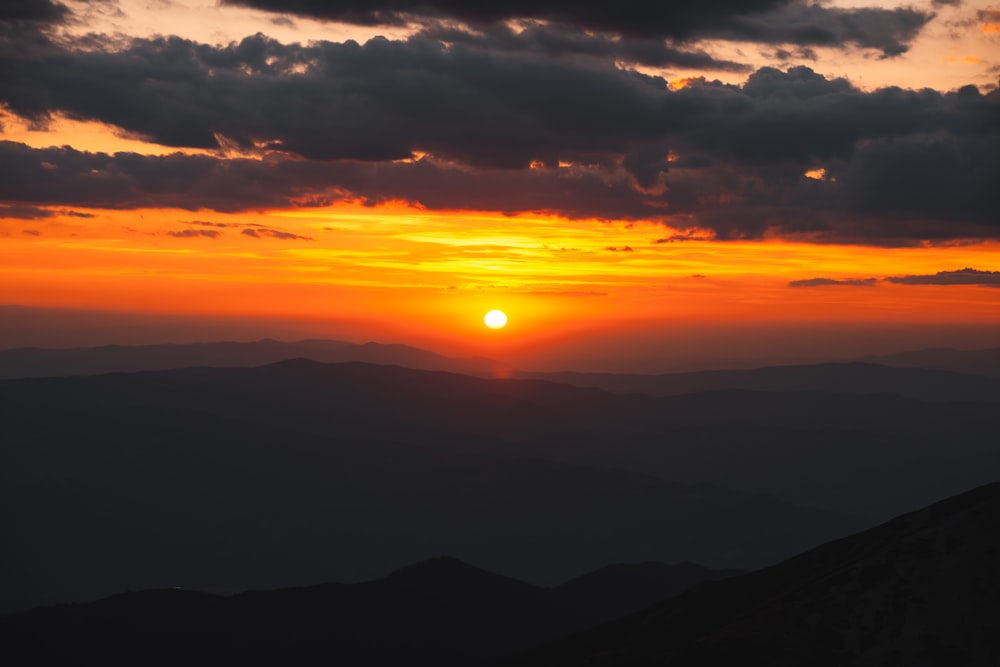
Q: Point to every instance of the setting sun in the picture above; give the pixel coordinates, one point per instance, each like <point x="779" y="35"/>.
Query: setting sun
<point x="495" y="319"/>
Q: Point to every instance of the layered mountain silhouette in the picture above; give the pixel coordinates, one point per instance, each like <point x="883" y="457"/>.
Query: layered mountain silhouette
<point x="933" y="374"/>
<point x="980" y="362"/>
<point x="40" y="362"/>
<point x="850" y="378"/>
<point x="437" y="612"/>
<point x="922" y="589"/>
<point x="299" y="472"/>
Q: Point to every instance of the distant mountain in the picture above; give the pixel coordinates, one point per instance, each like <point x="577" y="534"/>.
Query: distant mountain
<point x="922" y="589"/>
<point x="300" y="472"/>
<point x="850" y="378"/>
<point x="437" y="612"/>
<point x="39" y="362"/>
<point x="617" y="590"/>
<point x="980" y="362"/>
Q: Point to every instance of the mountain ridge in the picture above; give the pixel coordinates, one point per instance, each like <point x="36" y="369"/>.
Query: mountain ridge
<point x="920" y="589"/>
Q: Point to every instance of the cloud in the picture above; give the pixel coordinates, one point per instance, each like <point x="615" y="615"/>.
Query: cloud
<point x="273" y="233"/>
<point x="390" y="100"/>
<point x="24" y="212"/>
<point x="964" y="276"/>
<point x="822" y="282"/>
<point x="797" y="22"/>
<point x="194" y="233"/>
<point x="44" y="11"/>
<point x="561" y="40"/>
<point x="675" y="19"/>
<point x="889" y="31"/>
<point x="458" y="128"/>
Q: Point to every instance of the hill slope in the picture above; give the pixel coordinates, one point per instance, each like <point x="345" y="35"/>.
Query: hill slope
<point x="300" y="472"/>
<point x="436" y="612"/>
<point x="922" y="589"/>
<point x="850" y="378"/>
<point x="40" y="362"/>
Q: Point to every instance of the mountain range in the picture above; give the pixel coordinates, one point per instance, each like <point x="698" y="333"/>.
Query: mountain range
<point x="922" y="589"/>
<point x="440" y="611"/>
<point x="299" y="471"/>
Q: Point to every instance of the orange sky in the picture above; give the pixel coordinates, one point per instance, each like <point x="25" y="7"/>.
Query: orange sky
<point x="414" y="274"/>
<point x="431" y="275"/>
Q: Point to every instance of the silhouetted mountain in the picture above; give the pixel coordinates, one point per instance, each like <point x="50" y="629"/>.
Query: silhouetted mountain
<point x="619" y="589"/>
<point x="436" y="612"/>
<point x="922" y="589"/>
<point x="980" y="362"/>
<point x="850" y="378"/>
<point x="38" y="362"/>
<point x="301" y="472"/>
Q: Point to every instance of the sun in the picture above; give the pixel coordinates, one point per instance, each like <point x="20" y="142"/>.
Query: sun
<point x="495" y="319"/>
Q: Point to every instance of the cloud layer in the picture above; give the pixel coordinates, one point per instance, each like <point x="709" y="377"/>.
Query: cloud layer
<point x="478" y="115"/>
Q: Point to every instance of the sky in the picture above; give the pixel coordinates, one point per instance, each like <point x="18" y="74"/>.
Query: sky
<point x="638" y="187"/>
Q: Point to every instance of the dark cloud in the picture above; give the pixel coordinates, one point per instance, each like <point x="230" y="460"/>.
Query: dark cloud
<point x="647" y="19"/>
<point x="765" y="21"/>
<point x="31" y="232"/>
<point x="617" y="249"/>
<point x="902" y="166"/>
<point x="800" y="23"/>
<point x="274" y="233"/>
<point x="822" y="282"/>
<point x="194" y="233"/>
<point x="24" y="27"/>
<point x="730" y="201"/>
<point x="557" y="40"/>
<point x="388" y="100"/>
<point x="964" y="276"/>
<point x="43" y="11"/>
<point x="24" y="212"/>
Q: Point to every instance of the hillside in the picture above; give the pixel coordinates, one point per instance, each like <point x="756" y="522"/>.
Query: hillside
<point x="922" y="589"/>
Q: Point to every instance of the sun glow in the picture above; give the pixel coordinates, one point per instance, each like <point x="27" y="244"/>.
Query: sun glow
<point x="495" y="319"/>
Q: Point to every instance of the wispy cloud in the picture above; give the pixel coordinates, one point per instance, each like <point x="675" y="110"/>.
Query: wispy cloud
<point x="260" y="232"/>
<point x="822" y="282"/>
<point x="964" y="276"/>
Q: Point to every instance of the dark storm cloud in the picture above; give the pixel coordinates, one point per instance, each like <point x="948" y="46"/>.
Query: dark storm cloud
<point x="964" y="276"/>
<point x="648" y="19"/>
<point x="387" y="100"/>
<point x="24" y="24"/>
<point x="556" y="40"/>
<point x="902" y="166"/>
<point x="380" y="101"/>
<point x="764" y="21"/>
<point x="44" y="11"/>
<point x="887" y="30"/>
<point x="822" y="282"/>
<point x="128" y="180"/>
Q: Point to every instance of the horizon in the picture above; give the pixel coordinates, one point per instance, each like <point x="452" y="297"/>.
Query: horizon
<point x="653" y="351"/>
